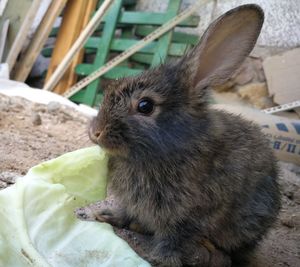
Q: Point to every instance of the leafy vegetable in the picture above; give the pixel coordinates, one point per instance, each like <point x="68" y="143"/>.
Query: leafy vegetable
<point x="38" y="226"/>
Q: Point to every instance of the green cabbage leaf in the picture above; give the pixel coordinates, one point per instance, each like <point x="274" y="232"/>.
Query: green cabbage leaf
<point x="38" y="226"/>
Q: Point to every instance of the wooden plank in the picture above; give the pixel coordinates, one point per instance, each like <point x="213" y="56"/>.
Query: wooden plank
<point x="68" y="32"/>
<point x="146" y="58"/>
<point x="16" y="12"/>
<point x="142" y="58"/>
<point x="129" y="2"/>
<point x="91" y="6"/>
<point x="3" y="38"/>
<point x="24" y="66"/>
<point x="3" y="4"/>
<point x="77" y="46"/>
<point x="121" y="44"/>
<point x="144" y="18"/>
<point x="76" y="16"/>
<point x="96" y="74"/>
<point x="117" y="72"/>
<point x="150" y="18"/>
<point x="20" y="38"/>
<point x="103" y="50"/>
<point x="178" y="37"/>
<point x="162" y="47"/>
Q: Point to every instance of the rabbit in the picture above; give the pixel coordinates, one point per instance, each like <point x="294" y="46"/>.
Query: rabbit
<point x="196" y="179"/>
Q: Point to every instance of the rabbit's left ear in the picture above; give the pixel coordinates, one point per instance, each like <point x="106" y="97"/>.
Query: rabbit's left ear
<point x="222" y="48"/>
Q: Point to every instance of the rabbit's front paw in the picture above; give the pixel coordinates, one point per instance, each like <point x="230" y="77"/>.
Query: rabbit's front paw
<point x="165" y="254"/>
<point x="89" y="213"/>
<point x="204" y="254"/>
<point x="102" y="211"/>
<point x="166" y="259"/>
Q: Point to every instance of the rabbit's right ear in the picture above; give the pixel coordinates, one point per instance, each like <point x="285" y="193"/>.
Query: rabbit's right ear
<point x="222" y="49"/>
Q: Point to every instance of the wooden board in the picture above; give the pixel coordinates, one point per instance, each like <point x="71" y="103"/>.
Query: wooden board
<point x="16" y="12"/>
<point x="162" y="47"/>
<point x="121" y="44"/>
<point x="24" y="66"/>
<point x="4" y="31"/>
<point x="3" y="4"/>
<point x="75" y="18"/>
<point x="150" y="18"/>
<point x="177" y="37"/>
<point x="102" y="51"/>
<point x="151" y="54"/>
<point x="22" y="35"/>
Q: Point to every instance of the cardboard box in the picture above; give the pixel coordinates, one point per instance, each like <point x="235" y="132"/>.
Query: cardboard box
<point x="283" y="76"/>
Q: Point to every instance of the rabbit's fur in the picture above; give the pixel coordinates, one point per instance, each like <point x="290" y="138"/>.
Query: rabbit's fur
<point x="187" y="173"/>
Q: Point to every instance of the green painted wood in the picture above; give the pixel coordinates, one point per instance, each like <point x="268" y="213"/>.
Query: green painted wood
<point x="125" y="2"/>
<point x="117" y="72"/>
<point x="142" y="58"/>
<point x="129" y="2"/>
<point x="77" y="98"/>
<point x="151" y="18"/>
<point x="122" y="44"/>
<point x="47" y="52"/>
<point x="169" y="45"/>
<point x="162" y="47"/>
<point x="178" y="37"/>
<point x="99" y="99"/>
<point x="103" y="50"/>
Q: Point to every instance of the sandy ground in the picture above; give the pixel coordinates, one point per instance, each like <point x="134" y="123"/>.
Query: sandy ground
<point x="31" y="133"/>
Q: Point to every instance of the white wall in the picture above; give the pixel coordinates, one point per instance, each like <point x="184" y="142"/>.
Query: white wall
<point x="282" y="18"/>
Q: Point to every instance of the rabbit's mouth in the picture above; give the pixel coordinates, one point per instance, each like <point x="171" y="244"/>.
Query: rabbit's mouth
<point x="112" y="146"/>
<point x="112" y="143"/>
<point x="114" y="150"/>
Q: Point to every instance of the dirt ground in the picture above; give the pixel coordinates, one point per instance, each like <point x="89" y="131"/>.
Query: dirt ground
<point x="31" y="133"/>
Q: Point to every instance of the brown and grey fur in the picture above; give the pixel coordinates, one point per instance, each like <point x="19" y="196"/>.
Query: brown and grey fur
<point x="189" y="174"/>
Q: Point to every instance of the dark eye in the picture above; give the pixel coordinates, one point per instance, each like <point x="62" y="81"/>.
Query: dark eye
<point x="145" y="106"/>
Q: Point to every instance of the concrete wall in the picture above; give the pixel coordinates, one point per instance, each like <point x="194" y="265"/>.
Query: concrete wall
<point x="282" y="18"/>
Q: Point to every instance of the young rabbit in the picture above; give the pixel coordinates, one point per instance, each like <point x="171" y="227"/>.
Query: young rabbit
<point x="188" y="174"/>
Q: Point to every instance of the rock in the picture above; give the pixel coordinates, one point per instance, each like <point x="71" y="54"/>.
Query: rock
<point x="9" y="177"/>
<point x="20" y="117"/>
<point x="256" y="94"/>
<point x="3" y="184"/>
<point x="4" y="107"/>
<point x="36" y="119"/>
<point x="63" y="117"/>
<point x="296" y="196"/>
<point x="290" y="220"/>
<point x="53" y="107"/>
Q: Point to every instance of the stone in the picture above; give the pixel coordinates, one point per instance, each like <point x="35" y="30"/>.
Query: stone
<point x="53" y="107"/>
<point x="290" y="220"/>
<point x="4" y="107"/>
<point x="9" y="177"/>
<point x="36" y="119"/>
<point x="296" y="196"/>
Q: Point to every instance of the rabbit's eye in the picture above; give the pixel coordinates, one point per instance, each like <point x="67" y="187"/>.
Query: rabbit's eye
<point x="145" y="106"/>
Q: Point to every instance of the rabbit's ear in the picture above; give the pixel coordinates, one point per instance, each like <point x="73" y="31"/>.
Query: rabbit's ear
<point x="223" y="47"/>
